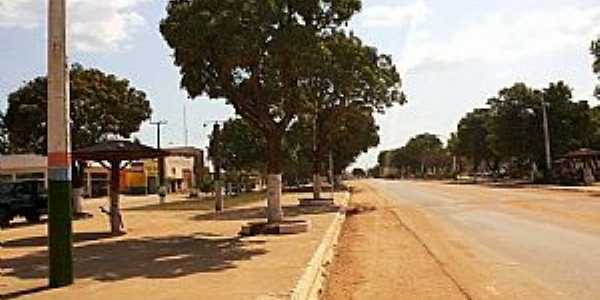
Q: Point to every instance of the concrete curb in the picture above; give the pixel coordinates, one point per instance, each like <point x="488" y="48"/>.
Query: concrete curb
<point x="312" y="281"/>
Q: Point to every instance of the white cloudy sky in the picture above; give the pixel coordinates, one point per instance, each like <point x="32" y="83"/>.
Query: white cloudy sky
<point x="453" y="55"/>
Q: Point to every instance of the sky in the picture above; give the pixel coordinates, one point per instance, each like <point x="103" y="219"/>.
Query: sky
<point x="453" y="55"/>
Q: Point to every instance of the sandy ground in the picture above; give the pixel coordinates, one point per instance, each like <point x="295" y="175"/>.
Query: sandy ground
<point x="500" y="242"/>
<point x="378" y="257"/>
<point x="182" y="254"/>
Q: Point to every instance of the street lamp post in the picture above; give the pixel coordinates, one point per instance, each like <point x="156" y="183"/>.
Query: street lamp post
<point x="60" y="229"/>
<point x="162" y="189"/>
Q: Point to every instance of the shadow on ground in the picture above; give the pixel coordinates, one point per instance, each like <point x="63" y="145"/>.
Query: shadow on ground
<point x="157" y="258"/>
<point x="39" y="241"/>
<point x="242" y="214"/>
<point x="491" y="184"/>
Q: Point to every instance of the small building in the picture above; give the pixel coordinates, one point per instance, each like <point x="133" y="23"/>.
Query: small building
<point x="183" y="166"/>
<point x="23" y="167"/>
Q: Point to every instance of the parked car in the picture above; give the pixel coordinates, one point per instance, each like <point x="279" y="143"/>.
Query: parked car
<point x="27" y="199"/>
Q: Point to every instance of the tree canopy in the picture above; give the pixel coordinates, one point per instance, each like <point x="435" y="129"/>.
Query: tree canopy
<point x="258" y="55"/>
<point x="242" y="148"/>
<point x="595" y="49"/>
<point x="351" y="81"/>
<point x="3" y="135"/>
<point x="516" y="127"/>
<point x="421" y="154"/>
<point x="101" y="105"/>
<point x="471" y="138"/>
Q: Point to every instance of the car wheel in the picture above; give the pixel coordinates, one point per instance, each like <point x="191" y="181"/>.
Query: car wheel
<point x="33" y="218"/>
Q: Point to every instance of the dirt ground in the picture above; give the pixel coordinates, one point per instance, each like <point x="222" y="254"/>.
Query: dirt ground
<point x="392" y="251"/>
<point x="171" y="253"/>
<point x="378" y="257"/>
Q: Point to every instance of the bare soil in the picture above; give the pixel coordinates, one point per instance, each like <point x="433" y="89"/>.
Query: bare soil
<point x="378" y="257"/>
<point x="392" y="250"/>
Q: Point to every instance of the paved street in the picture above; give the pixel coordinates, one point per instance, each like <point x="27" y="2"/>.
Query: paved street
<point x="532" y="238"/>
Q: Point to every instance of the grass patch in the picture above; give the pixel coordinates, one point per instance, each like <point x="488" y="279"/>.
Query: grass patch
<point x="207" y="203"/>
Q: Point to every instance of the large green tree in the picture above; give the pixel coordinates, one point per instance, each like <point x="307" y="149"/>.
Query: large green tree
<point x="356" y="133"/>
<point x="258" y="55"/>
<point x="472" y="138"/>
<point x="516" y="124"/>
<point x="101" y="105"/>
<point x="512" y="124"/>
<point x="350" y="76"/>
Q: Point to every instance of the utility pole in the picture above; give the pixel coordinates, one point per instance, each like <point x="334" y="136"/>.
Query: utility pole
<point x="185" y="126"/>
<point x="60" y="237"/>
<point x="546" y="135"/>
<point x="162" y="190"/>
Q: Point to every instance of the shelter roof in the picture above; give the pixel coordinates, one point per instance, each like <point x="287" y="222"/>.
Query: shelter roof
<point x="117" y="150"/>
<point x="582" y="153"/>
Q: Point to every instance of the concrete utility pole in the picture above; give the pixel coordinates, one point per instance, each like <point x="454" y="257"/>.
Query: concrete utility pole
<point x="162" y="190"/>
<point x="546" y="135"/>
<point x="60" y="240"/>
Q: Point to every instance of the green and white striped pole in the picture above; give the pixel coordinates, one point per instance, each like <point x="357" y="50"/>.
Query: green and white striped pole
<point x="59" y="147"/>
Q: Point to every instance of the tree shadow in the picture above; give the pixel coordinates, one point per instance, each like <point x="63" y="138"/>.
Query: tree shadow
<point x="496" y="185"/>
<point x="243" y="214"/>
<point x="156" y="258"/>
<point x="40" y="241"/>
<point x="21" y="222"/>
<point x="22" y="293"/>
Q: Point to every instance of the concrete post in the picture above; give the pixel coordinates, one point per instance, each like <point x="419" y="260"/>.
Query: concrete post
<point x="59" y="148"/>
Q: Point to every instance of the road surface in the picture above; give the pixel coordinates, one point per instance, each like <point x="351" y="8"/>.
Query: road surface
<point x="530" y="242"/>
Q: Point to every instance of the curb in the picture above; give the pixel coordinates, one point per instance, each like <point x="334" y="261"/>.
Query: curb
<point x="311" y="283"/>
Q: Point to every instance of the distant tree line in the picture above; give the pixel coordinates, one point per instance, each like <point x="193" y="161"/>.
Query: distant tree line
<point x="423" y="156"/>
<point x="506" y="136"/>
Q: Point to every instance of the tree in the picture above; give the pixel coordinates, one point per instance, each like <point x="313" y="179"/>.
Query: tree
<point x="512" y="126"/>
<point x="349" y="77"/>
<point x="101" y="105"/>
<point x="242" y="147"/>
<point x="425" y="149"/>
<point x="422" y="153"/>
<point x="3" y="136"/>
<point x="472" y="138"/>
<point x="515" y="123"/>
<point x="355" y="134"/>
<point x="258" y="56"/>
<point x="595" y="49"/>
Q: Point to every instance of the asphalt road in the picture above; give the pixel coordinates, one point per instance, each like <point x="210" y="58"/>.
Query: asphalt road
<point x="551" y="235"/>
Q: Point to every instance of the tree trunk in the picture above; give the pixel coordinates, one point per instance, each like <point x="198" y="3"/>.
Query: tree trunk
<point x="116" y="222"/>
<point x="78" y="173"/>
<point x="274" y="211"/>
<point x="316" y="186"/>
<point x="316" y="160"/>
